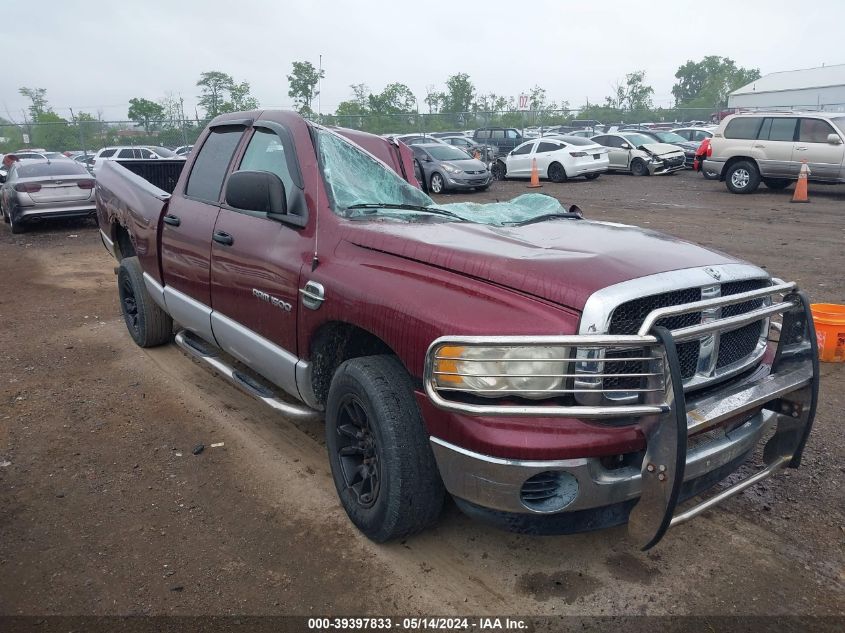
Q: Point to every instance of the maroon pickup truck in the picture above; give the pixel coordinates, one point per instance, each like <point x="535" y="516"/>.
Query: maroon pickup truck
<point x="551" y="373"/>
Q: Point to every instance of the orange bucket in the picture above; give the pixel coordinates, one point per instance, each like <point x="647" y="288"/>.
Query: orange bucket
<point x="830" y="331"/>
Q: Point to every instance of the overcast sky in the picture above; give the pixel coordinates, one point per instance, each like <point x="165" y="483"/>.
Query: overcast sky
<point x="97" y="54"/>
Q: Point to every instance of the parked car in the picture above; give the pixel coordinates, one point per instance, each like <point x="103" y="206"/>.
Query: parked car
<point x="36" y="190"/>
<point x="557" y="159"/>
<point x="126" y="152"/>
<point x="183" y="150"/>
<point x="748" y="149"/>
<point x="504" y="139"/>
<point x="446" y="168"/>
<point x="701" y="154"/>
<point x="640" y="154"/>
<point x="545" y="371"/>
<point x="588" y="133"/>
<point x="416" y="139"/>
<point x="85" y="159"/>
<point x="689" y="147"/>
<point x="30" y="155"/>
<point x="696" y="134"/>
<point x="470" y="146"/>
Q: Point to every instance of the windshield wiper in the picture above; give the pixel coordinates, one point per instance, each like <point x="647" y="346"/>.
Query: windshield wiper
<point x="569" y="215"/>
<point x="406" y="207"/>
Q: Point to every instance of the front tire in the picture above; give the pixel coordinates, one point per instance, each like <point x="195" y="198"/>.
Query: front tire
<point x="742" y="177"/>
<point x="381" y="461"/>
<point x="557" y="173"/>
<point x="638" y="167"/>
<point x="499" y="170"/>
<point x="437" y="184"/>
<point x="147" y="323"/>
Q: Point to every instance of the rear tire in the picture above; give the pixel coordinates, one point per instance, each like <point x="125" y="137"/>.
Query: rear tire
<point x="379" y="452"/>
<point x="742" y="177"/>
<point x="638" y="167"/>
<point x="557" y="173"/>
<point x="147" y="323"/>
<point x="15" y="227"/>
<point x="777" y="183"/>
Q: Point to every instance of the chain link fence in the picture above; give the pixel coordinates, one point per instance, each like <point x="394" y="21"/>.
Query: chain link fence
<point x="91" y="135"/>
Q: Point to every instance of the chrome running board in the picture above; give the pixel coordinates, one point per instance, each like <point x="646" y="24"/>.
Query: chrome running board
<point x="199" y="349"/>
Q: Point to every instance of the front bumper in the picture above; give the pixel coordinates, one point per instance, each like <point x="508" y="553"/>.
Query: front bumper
<point x="462" y="181"/>
<point x="690" y="442"/>
<point x="659" y="167"/>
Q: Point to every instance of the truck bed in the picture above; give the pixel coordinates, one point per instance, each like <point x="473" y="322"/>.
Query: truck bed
<point x="127" y="200"/>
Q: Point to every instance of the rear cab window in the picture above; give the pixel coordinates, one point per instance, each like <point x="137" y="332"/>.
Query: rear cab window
<point x="744" y="128"/>
<point x="212" y="163"/>
<point x="107" y="152"/>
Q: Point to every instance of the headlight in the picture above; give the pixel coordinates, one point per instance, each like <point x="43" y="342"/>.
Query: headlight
<point x="450" y="168"/>
<point x="492" y="372"/>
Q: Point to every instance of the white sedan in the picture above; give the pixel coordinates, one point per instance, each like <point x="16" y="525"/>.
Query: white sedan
<point x="558" y="158"/>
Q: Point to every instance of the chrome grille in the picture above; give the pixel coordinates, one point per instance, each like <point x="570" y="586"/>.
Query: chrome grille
<point x="734" y="346"/>
<point x="627" y="318"/>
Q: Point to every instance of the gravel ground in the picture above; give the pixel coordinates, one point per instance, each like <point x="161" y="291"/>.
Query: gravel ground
<point x="105" y="510"/>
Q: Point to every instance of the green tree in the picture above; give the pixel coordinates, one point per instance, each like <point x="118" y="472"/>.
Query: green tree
<point x="396" y="98"/>
<point x="215" y="86"/>
<point x="434" y="99"/>
<point x="460" y="93"/>
<point x="54" y="133"/>
<point x="38" y="97"/>
<point x="145" y="112"/>
<point x="359" y="105"/>
<point x="633" y="95"/>
<point x="708" y="82"/>
<point x="303" y="86"/>
<point x="89" y="130"/>
<point x="240" y="98"/>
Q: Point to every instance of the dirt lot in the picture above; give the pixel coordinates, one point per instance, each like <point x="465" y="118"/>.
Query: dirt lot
<point x="105" y="510"/>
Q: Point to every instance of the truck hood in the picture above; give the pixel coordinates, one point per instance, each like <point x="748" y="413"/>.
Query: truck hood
<point x="562" y="261"/>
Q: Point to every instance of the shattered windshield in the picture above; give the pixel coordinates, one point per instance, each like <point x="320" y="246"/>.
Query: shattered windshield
<point x="354" y="177"/>
<point x="362" y="187"/>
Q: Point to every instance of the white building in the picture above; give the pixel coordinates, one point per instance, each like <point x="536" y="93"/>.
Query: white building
<point x="821" y="88"/>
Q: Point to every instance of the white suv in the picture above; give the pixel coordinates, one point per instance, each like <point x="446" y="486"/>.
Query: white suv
<point x="133" y="153"/>
<point x="769" y="147"/>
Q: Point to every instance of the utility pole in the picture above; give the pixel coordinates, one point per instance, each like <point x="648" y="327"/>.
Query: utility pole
<point x="320" y="90"/>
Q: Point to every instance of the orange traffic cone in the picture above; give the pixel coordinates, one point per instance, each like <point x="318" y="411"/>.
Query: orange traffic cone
<point x="535" y="176"/>
<point x="800" y="194"/>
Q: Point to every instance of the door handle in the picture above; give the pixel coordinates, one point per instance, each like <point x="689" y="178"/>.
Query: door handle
<point x="172" y="220"/>
<point x="801" y="149"/>
<point x="224" y="238"/>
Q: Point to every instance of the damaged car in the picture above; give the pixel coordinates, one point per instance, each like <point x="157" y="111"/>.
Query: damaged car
<point x="640" y="154"/>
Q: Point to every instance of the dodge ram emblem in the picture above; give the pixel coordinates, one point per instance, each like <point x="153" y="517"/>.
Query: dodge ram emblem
<point x="715" y="274"/>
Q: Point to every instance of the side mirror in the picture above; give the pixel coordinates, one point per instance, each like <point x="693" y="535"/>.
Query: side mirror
<point x="2" y="178"/>
<point x="834" y="139"/>
<point x="261" y="191"/>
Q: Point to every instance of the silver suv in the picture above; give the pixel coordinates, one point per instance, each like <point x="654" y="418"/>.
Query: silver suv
<point x="770" y="147"/>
